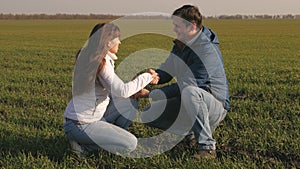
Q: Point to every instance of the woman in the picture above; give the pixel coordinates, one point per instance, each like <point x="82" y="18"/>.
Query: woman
<point x="98" y="98"/>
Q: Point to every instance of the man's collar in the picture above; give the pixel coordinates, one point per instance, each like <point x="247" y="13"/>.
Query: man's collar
<point x="194" y="38"/>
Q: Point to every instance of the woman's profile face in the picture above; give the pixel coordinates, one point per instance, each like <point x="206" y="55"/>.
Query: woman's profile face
<point x="114" y="45"/>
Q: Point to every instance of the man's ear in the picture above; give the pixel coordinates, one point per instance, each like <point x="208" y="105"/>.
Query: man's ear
<point x="194" y="26"/>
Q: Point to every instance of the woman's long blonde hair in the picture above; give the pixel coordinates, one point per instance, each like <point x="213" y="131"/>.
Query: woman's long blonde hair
<point x="90" y="60"/>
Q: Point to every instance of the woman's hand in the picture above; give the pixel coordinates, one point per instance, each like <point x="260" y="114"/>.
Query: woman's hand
<point x="154" y="76"/>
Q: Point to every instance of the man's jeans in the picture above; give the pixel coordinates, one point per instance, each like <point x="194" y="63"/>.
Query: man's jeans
<point x="103" y="134"/>
<point x="195" y="110"/>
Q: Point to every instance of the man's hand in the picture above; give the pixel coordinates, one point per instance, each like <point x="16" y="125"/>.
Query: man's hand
<point x="144" y="93"/>
<point x="154" y="76"/>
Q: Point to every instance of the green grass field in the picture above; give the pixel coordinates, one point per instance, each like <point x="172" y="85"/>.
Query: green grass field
<point x="262" y="130"/>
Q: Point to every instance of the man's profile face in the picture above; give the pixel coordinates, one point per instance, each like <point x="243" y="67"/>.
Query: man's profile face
<point x="181" y="29"/>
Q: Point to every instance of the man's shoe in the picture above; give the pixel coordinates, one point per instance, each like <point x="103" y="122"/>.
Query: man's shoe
<point x="190" y="140"/>
<point x="205" y="154"/>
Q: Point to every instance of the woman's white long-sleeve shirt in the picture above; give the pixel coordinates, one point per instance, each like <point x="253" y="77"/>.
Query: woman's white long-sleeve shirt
<point x="90" y="107"/>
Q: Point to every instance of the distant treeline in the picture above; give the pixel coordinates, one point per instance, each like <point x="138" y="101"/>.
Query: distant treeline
<point x="288" y="16"/>
<point x="110" y="17"/>
<point x="56" y="16"/>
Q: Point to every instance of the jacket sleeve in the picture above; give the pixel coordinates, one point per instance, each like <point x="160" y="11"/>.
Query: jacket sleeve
<point x="164" y="77"/>
<point x="166" y="70"/>
<point x="165" y="92"/>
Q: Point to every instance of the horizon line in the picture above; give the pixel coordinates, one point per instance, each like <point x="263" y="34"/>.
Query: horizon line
<point x="133" y="14"/>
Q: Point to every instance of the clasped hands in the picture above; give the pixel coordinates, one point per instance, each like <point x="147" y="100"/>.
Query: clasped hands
<point x="144" y="93"/>
<point x="154" y="76"/>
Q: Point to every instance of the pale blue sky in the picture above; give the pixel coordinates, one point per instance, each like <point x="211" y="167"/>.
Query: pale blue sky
<point x="207" y="7"/>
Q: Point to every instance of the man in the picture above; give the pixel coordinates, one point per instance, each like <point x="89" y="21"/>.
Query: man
<point x="201" y="91"/>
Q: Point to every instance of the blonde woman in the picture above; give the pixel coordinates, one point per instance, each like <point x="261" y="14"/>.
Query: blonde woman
<point x="98" y="113"/>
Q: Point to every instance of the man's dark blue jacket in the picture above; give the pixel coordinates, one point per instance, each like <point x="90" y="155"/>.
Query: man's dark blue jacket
<point x="198" y="64"/>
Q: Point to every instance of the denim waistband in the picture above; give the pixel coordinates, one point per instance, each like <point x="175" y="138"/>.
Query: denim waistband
<point x="76" y="121"/>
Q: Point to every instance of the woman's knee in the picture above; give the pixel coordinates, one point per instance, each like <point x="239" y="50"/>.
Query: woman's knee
<point x="132" y="143"/>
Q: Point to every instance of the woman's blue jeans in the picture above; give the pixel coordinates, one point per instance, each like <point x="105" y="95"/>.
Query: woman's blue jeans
<point x="109" y="133"/>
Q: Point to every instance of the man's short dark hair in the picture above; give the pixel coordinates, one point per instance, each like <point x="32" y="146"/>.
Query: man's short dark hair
<point x="189" y="13"/>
